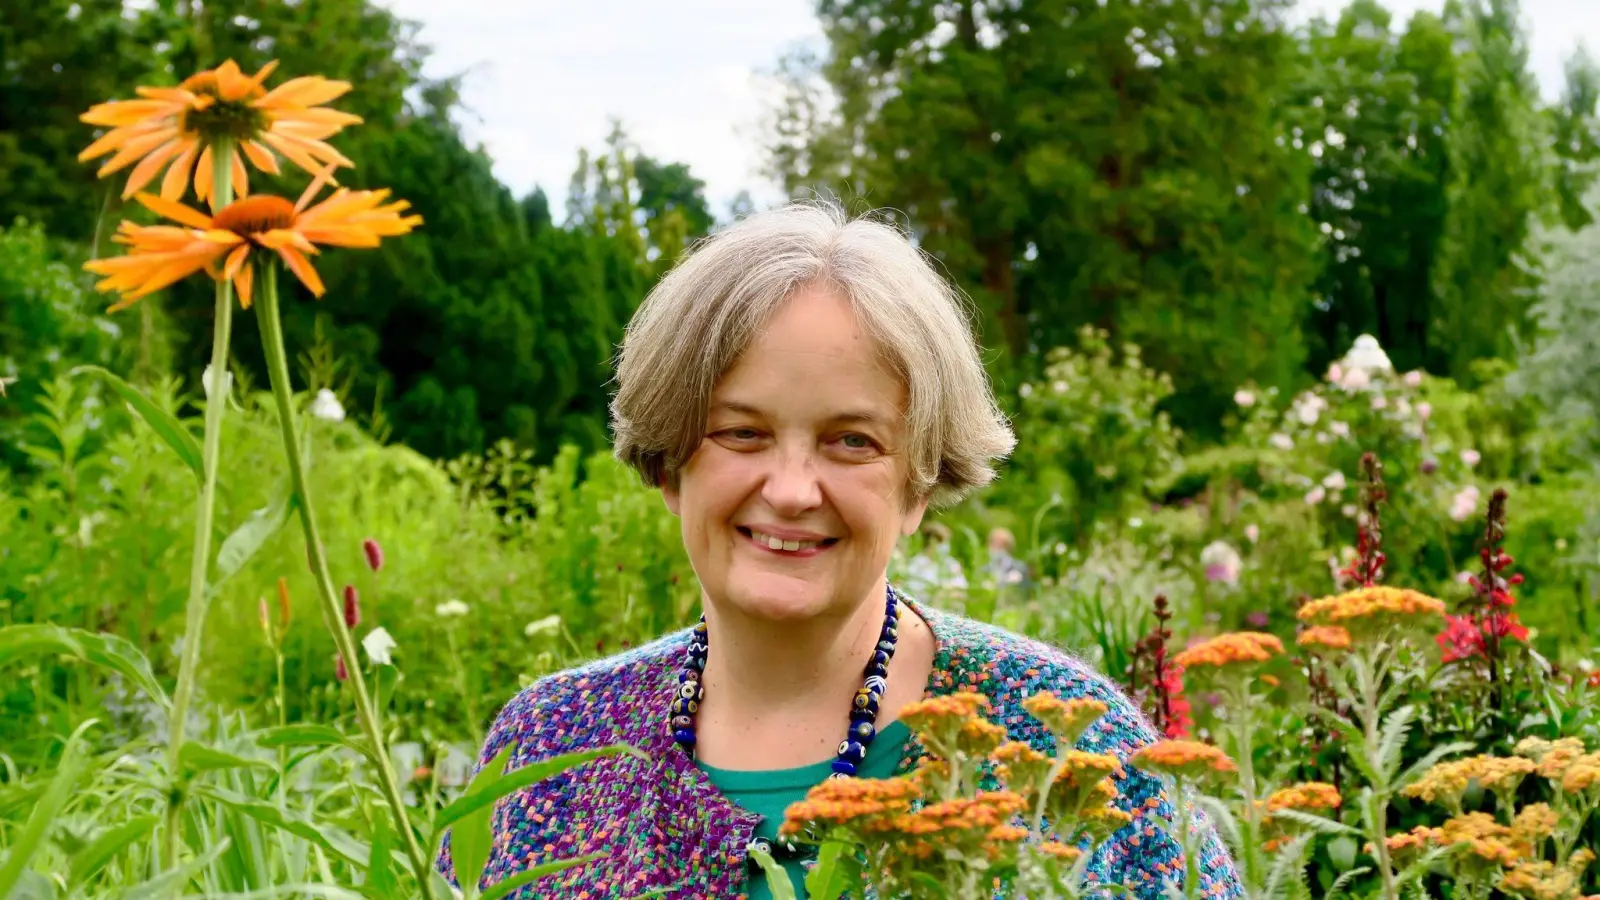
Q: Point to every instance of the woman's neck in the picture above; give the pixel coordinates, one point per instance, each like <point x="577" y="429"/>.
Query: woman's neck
<point x="777" y="694"/>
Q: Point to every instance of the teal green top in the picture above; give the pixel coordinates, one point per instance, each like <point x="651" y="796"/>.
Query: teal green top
<point x="768" y="792"/>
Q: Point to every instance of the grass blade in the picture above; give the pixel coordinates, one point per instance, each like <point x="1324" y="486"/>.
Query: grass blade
<point x="74" y="762"/>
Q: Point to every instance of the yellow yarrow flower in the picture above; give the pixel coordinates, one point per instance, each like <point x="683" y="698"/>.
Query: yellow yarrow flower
<point x="1184" y="759"/>
<point x="1324" y="637"/>
<point x="1066" y="719"/>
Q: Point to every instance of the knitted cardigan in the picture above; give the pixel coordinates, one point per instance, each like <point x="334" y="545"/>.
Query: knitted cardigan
<point x="661" y="824"/>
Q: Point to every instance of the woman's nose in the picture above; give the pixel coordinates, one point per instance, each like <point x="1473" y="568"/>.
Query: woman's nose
<point x="792" y="484"/>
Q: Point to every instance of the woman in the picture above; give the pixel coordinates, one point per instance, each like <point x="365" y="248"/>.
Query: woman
<point x="801" y="388"/>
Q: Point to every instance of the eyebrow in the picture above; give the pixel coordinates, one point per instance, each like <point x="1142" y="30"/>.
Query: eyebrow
<point x="863" y="416"/>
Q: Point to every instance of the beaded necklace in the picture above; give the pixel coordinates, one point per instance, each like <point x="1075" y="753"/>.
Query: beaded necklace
<point x="863" y="709"/>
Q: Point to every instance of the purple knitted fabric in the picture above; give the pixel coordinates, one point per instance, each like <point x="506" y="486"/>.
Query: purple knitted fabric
<point x="661" y="824"/>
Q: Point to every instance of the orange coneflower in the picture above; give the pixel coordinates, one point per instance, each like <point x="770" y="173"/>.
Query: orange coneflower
<point x="179" y="125"/>
<point x="163" y="254"/>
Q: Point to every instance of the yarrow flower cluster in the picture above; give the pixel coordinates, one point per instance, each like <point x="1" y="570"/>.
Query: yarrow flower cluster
<point x="1235" y="649"/>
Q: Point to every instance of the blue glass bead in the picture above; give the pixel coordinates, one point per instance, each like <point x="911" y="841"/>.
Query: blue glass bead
<point x="863" y="699"/>
<point x="842" y="767"/>
<point x="886" y="647"/>
<point x="833" y="775"/>
<point x="863" y="732"/>
<point x="877" y="684"/>
<point x="890" y="633"/>
<point x="682" y="723"/>
<point x="689" y="690"/>
<point x="864" y="715"/>
<point x="684" y="736"/>
<point x="880" y="658"/>
<point x="852" y="752"/>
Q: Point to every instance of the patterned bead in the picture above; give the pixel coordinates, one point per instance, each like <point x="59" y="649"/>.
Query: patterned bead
<point x="844" y="767"/>
<point x="877" y="684"/>
<point x="852" y="752"/>
<point x="684" y="736"/>
<point x="689" y="690"/>
<point x="864" y="732"/>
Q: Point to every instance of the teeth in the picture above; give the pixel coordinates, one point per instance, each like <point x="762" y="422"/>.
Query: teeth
<point x="777" y="543"/>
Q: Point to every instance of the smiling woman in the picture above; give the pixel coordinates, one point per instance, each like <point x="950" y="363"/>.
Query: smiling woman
<point x="801" y="389"/>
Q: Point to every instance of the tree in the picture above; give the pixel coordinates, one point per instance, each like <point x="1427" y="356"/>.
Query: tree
<point x="1575" y="137"/>
<point x="1483" y="281"/>
<point x="1077" y="161"/>
<point x="1374" y="115"/>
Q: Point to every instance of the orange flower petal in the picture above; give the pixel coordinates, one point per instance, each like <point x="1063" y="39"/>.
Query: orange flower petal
<point x="202" y="177"/>
<point x="177" y="212"/>
<point x="244" y="284"/>
<point x="236" y="261"/>
<point x="136" y="148"/>
<point x="177" y="179"/>
<point x="308" y="90"/>
<point x="303" y="270"/>
<point x="241" y="178"/>
<point x="292" y="151"/>
<point x="120" y="113"/>
<point x="261" y="157"/>
<point x="147" y="169"/>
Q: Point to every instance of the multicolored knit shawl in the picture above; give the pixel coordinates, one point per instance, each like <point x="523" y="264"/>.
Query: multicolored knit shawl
<point x="660" y="824"/>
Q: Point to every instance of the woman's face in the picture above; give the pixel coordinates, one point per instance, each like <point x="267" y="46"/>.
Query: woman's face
<point x="797" y="492"/>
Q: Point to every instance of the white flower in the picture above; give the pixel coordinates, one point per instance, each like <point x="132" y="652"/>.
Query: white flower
<point x="1349" y="510"/>
<point x="1244" y="398"/>
<point x="1380" y="402"/>
<point x="326" y="406"/>
<point x="1308" y="406"/>
<point x="1221" y="562"/>
<point x="1355" y="380"/>
<point x="1464" y="504"/>
<point x="1424" y="410"/>
<point x="450" y="609"/>
<point x="1059" y="387"/>
<point x="1366" y="355"/>
<point x="1413" y="378"/>
<point x="540" y="626"/>
<point x="1135" y="522"/>
<point x="1403" y="406"/>
<point x="1060" y="548"/>
<point x="1252" y="532"/>
<point x="1334" y="482"/>
<point x="1316" y="495"/>
<point x="1470" y="457"/>
<point x="1281" y="441"/>
<point x="379" y="645"/>
<point x="1026" y="390"/>
<point x="1339" y="429"/>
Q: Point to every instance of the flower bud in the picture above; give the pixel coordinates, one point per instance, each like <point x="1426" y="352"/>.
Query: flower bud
<point x="339" y="670"/>
<point x="283" y="604"/>
<point x="352" y="607"/>
<point x="266" y="618"/>
<point x="374" y="554"/>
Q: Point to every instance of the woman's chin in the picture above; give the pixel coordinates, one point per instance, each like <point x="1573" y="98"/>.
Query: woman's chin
<point x="778" y="598"/>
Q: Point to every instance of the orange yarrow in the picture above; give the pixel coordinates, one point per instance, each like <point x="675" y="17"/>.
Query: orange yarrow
<point x="1324" y="637"/>
<point x="1186" y="759"/>
<point x="1372" y="606"/>
<point x="1235" y="648"/>
<point x="175" y="128"/>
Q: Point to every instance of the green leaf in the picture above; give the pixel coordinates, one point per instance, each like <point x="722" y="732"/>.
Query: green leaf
<point x="201" y="758"/>
<point x="1342" y="852"/>
<point x="104" y="650"/>
<point x="165" y="425"/>
<point x="323" y="891"/>
<point x="166" y="884"/>
<point x="323" y="835"/>
<point x="829" y="879"/>
<point x="477" y="798"/>
<point x="472" y="839"/>
<point x="26" y="843"/>
<point x="777" y="878"/>
<point x="380" y="877"/>
<point x="104" y="848"/>
<point x="249" y="537"/>
<point x="529" y="876"/>
<point x="33" y="886"/>
<point x="303" y="734"/>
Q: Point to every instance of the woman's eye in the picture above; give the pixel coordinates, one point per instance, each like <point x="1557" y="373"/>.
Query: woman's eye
<point x="857" y="442"/>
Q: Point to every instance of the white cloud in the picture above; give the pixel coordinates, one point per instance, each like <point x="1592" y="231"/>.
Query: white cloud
<point x="545" y="77"/>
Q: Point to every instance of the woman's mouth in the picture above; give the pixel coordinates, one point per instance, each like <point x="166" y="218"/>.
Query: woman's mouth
<point x="777" y="544"/>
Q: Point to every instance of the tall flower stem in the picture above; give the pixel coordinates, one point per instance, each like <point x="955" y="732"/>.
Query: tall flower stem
<point x="199" y="567"/>
<point x="332" y="606"/>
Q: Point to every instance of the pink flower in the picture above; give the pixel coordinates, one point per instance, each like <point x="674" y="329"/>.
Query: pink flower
<point x="1464" y="504"/>
<point x="1252" y="532"/>
<point x="1316" y="495"/>
<point x="1222" y="562"/>
<point x="1424" y="410"/>
<point x="352" y="606"/>
<point x="1244" y="398"/>
<point x="1413" y="378"/>
<point x="1470" y="457"/>
<point x="1335" y="373"/>
<point x="1460" y="639"/>
<point x="1380" y="402"/>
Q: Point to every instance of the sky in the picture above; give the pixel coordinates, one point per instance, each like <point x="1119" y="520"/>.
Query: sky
<point x="544" y="78"/>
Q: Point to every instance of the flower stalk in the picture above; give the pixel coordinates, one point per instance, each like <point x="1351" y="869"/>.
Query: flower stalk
<point x="199" y="599"/>
<point x="332" y="603"/>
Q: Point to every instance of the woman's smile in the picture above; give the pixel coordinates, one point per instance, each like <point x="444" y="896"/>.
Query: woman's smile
<point x="785" y="543"/>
